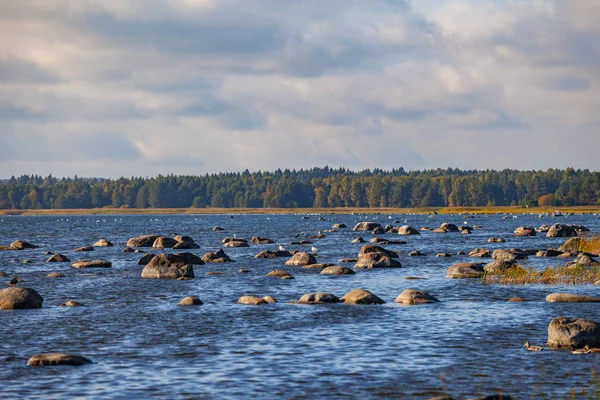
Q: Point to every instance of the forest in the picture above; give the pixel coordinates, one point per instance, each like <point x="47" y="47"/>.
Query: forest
<point x="305" y="188"/>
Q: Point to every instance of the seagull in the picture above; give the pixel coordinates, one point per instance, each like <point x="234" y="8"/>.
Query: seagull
<point x="281" y="248"/>
<point x="234" y="236"/>
<point x="314" y="250"/>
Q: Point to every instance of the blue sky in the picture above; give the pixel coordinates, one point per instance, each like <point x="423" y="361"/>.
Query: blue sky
<point x="145" y="87"/>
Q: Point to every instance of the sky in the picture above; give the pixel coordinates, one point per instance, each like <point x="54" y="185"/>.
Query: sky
<point x="111" y="88"/>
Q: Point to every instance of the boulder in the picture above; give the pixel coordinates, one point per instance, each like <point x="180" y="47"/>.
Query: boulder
<point x="318" y="265"/>
<point x="218" y="229"/>
<point x="260" y="240"/>
<point x="236" y="243"/>
<point x="91" y="264"/>
<point x="465" y="270"/>
<point x="361" y="296"/>
<point x="543" y="229"/>
<point x="21" y="245"/>
<point x="175" y="258"/>
<point x="318" y="298"/>
<point x="572" y="244"/>
<point x="301" y="258"/>
<point x="190" y="301"/>
<point x="142" y="241"/>
<point x="480" y="253"/>
<point x="565" y="332"/>
<point x="58" y="258"/>
<point x="516" y="300"/>
<point x="524" y="231"/>
<point x="371" y="248"/>
<point x="168" y="271"/>
<point x="584" y="260"/>
<point x="415" y="253"/>
<point x="15" y="298"/>
<point x="84" y="248"/>
<point x="278" y="273"/>
<point x="570" y="298"/>
<point x="446" y="227"/>
<point x="348" y="260"/>
<point x="218" y="256"/>
<point x="561" y="230"/>
<point x="56" y="275"/>
<point x="50" y="359"/>
<point x="366" y="226"/>
<point x="376" y="260"/>
<point x="145" y="259"/>
<point x="164" y="242"/>
<point x="185" y="242"/>
<point x="509" y="255"/>
<point x="358" y="239"/>
<point x="495" y="240"/>
<point x="548" y="253"/>
<point x="270" y="299"/>
<point x="378" y="231"/>
<point x="338" y="226"/>
<point x="273" y="254"/>
<point x="499" y="266"/>
<point x="102" y="243"/>
<point x="408" y="230"/>
<point x="413" y="296"/>
<point x="337" y="270"/>
<point x="251" y="300"/>
<point x="443" y="255"/>
<point x="127" y="250"/>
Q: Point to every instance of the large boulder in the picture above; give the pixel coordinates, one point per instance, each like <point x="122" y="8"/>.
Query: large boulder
<point x="570" y="298"/>
<point x="499" y="266"/>
<point x="218" y="256"/>
<point x="376" y="260"/>
<point x="102" y="243"/>
<point x="58" y="258"/>
<point x="142" y="241"/>
<point x="371" y="248"/>
<point x="175" y="258"/>
<point x="413" y="296"/>
<point x="561" y="230"/>
<point x="261" y="240"/>
<point x="509" y="255"/>
<point x="273" y="254"/>
<point x="15" y="298"/>
<point x="161" y="270"/>
<point x="91" y="264"/>
<point x="361" y="296"/>
<point x="480" y="253"/>
<point x="49" y="359"/>
<point x="21" y="245"/>
<point x="565" y="332"/>
<point x="548" y="253"/>
<point x="236" y="243"/>
<point x="337" y="270"/>
<point x="318" y="298"/>
<point x="185" y="242"/>
<point x="366" y="226"/>
<point x="146" y="259"/>
<point x="465" y="270"/>
<point x="408" y="230"/>
<point x="446" y="227"/>
<point x="572" y="244"/>
<point x="524" y="231"/>
<point x="164" y="242"/>
<point x="301" y="258"/>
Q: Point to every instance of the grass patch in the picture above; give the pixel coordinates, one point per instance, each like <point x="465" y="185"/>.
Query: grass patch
<point x="562" y="275"/>
<point x="590" y="244"/>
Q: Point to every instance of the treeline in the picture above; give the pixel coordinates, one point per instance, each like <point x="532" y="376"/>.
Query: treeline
<point x="317" y="187"/>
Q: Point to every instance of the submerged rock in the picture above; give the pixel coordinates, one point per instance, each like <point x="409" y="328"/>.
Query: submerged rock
<point x="413" y="296"/>
<point x="190" y="301"/>
<point x="278" y="273"/>
<point x="50" y="359"/>
<point x="337" y="270"/>
<point x="318" y="298"/>
<point x="91" y="264"/>
<point x="260" y="240"/>
<point x="251" y="300"/>
<point x="273" y="254"/>
<point x="102" y="243"/>
<point x="84" y="248"/>
<point x="21" y="245"/>
<point x="361" y="296"/>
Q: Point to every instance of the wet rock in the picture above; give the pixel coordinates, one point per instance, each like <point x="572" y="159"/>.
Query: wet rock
<point x="570" y="298"/>
<point x="278" y="273"/>
<point x="509" y="254"/>
<point x="358" y="239"/>
<point x="300" y="242"/>
<point x="142" y="241"/>
<point x="273" y="254"/>
<point x="495" y="240"/>
<point x="543" y="229"/>
<point x="361" y="296"/>
<point x="338" y="226"/>
<point x="465" y="230"/>
<point x="499" y="266"/>
<point x="480" y="253"/>
<point x="348" y="260"/>
<point x="185" y="242"/>
<point x="413" y="296"/>
<point x="218" y="256"/>
<point x="566" y="332"/>
<point x="84" y="248"/>
<point x="15" y="298"/>
<point x="524" y="231"/>
<point x="371" y="248"/>
<point x="51" y="359"/>
<point x="251" y="300"/>
<point x="270" y="299"/>
<point x="337" y="270"/>
<point x="236" y="243"/>
<point x="301" y="258"/>
<point x="218" y="229"/>
<point x="145" y="259"/>
<point x="71" y="303"/>
<point x="516" y="300"/>
<point x="168" y="271"/>
<point x="21" y="245"/>
<point x="164" y="242"/>
<point x="461" y="253"/>
<point x="465" y="270"/>
<point x="315" y="266"/>
<point x="260" y="240"/>
<point x="548" y="253"/>
<point x="127" y="250"/>
<point x="378" y="231"/>
<point x="572" y="244"/>
<point x="408" y="230"/>
<point x="3" y="274"/>
<point x="561" y="230"/>
<point x="376" y="260"/>
<point x="58" y="258"/>
<point x="190" y="301"/>
<point x="415" y="253"/>
<point x="175" y="258"/>
<point x="366" y="226"/>
<point x="443" y="255"/>
<point x="584" y="260"/>
<point x="91" y="264"/>
<point x="102" y="243"/>
<point x="243" y="271"/>
<point x="446" y="227"/>
<point x="56" y="275"/>
<point x="318" y="298"/>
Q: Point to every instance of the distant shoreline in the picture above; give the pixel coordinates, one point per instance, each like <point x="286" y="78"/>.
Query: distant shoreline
<point x="259" y="211"/>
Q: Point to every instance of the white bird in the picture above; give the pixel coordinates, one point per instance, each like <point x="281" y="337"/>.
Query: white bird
<point x="234" y="236"/>
<point x="281" y="248"/>
<point x="314" y="250"/>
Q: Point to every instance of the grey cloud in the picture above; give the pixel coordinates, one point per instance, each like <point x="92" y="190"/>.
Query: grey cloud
<point x="15" y="70"/>
<point x="102" y="146"/>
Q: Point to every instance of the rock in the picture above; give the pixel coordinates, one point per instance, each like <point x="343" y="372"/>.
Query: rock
<point x="361" y="296"/>
<point x="145" y="259"/>
<point x="446" y="227"/>
<point x="461" y="253"/>
<point x="376" y="260"/>
<point x="56" y="275"/>
<point x="50" y="359"/>
<point x="15" y="298"/>
<point x="570" y="298"/>
<point x="516" y="300"/>
<point x="509" y="255"/>
<point x="127" y="250"/>
<point x="415" y="253"/>
<point x="185" y="242"/>
<point x="378" y="240"/>
<point x="413" y="296"/>
<point x="573" y="333"/>
<point x="84" y="248"/>
<point x="278" y="273"/>
<point x="218" y="229"/>
<point x="142" y="241"/>
<point x="243" y="271"/>
<point x="190" y="301"/>
<point x="301" y="258"/>
<point x="71" y="303"/>
<point x="337" y="270"/>
<point x="495" y="240"/>
<point x="236" y="243"/>
<point x="408" y="230"/>
<point x="358" y="239"/>
<point x="318" y="298"/>
<point x="168" y="271"/>
<point x="102" y="243"/>
<point x="218" y="256"/>
<point x="273" y="254"/>
<point x="371" y="248"/>
<point x="260" y="240"/>
<point x="561" y="230"/>
<point x="542" y="229"/>
<point x="584" y="260"/>
<point x="21" y="245"/>
<point x="58" y="258"/>
<point x="443" y="255"/>
<point x="270" y="299"/>
<point x="3" y="274"/>
<point x="548" y="253"/>
<point x="175" y="258"/>
<point x="91" y="264"/>
<point x="480" y="253"/>
<point x="499" y="266"/>
<point x="164" y="242"/>
<point x="465" y="270"/>
<point x="366" y="226"/>
<point x="465" y="230"/>
<point x="318" y="265"/>
<point x="251" y="300"/>
<point x="524" y="231"/>
<point x="338" y="226"/>
<point x="300" y="242"/>
<point x="572" y="244"/>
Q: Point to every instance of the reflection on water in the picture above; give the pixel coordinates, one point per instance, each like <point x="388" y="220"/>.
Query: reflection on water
<point x="144" y="345"/>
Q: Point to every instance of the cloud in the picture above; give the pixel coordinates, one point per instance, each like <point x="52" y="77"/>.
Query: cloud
<point x="147" y="86"/>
